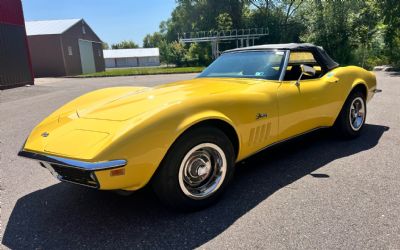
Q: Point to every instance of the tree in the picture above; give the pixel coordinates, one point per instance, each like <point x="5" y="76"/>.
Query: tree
<point x="364" y="33"/>
<point x="391" y="18"/>
<point x="198" y="54"/>
<point x="329" y="26"/>
<point x="165" y="52"/>
<point x="177" y="53"/>
<point x="173" y="53"/>
<point x="105" y="45"/>
<point x="125" y="44"/>
<point x="154" y="40"/>
<point x="202" y="15"/>
<point x="224" y="21"/>
<point x="366" y="36"/>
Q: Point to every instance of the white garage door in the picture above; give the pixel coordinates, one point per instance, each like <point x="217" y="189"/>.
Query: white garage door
<point x="110" y="62"/>
<point x="87" y="58"/>
<point x="126" y="62"/>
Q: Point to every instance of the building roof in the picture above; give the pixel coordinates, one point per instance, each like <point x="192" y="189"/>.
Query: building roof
<point x="126" y="53"/>
<point x="49" y="27"/>
<point x="320" y="54"/>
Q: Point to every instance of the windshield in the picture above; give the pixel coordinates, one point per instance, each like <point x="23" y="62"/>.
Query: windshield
<point x="247" y="64"/>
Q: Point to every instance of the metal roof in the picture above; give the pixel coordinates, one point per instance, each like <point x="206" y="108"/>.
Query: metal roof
<point x="49" y="27"/>
<point x="126" y="53"/>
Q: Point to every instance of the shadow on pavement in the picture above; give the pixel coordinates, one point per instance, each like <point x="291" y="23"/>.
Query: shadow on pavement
<point x="67" y="216"/>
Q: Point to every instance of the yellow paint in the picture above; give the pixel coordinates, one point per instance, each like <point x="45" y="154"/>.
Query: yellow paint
<point x="140" y="124"/>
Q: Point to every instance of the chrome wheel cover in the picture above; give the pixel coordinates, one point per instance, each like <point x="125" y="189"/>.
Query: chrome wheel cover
<point x="202" y="171"/>
<point x="357" y="113"/>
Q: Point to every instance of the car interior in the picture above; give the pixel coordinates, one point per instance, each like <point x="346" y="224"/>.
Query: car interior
<point x="293" y="70"/>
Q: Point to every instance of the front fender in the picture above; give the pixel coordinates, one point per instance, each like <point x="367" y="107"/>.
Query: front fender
<point x="194" y="119"/>
<point x="146" y="145"/>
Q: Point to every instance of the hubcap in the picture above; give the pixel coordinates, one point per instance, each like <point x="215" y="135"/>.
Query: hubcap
<point x="202" y="171"/>
<point x="357" y="113"/>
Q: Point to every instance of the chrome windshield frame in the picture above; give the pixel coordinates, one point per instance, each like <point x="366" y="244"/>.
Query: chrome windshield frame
<point x="285" y="64"/>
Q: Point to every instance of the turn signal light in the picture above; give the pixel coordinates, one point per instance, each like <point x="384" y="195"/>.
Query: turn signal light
<point x="117" y="172"/>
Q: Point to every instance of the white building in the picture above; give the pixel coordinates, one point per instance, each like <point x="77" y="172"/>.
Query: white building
<point x="143" y="57"/>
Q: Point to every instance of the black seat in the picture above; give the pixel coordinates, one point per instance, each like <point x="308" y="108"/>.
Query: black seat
<point x="293" y="74"/>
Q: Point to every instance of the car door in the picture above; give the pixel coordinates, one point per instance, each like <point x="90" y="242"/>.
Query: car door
<point x="309" y="104"/>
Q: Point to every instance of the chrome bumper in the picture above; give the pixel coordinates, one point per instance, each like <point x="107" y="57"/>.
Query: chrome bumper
<point x="74" y="171"/>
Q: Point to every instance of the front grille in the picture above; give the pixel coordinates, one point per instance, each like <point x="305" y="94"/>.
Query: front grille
<point x="75" y="175"/>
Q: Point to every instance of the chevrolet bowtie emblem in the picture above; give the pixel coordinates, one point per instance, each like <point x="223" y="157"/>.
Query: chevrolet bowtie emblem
<point x="45" y="134"/>
<point x="261" y="115"/>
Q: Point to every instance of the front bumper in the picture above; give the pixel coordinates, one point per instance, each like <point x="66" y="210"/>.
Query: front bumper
<point x="74" y="171"/>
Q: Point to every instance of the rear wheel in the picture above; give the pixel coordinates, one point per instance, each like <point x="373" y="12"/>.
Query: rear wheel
<point x="195" y="170"/>
<point x="352" y="117"/>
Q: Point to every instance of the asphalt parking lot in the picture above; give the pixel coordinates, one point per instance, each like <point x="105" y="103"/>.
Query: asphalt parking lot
<point x="316" y="192"/>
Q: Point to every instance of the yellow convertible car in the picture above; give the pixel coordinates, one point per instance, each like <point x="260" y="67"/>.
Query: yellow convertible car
<point x="184" y="138"/>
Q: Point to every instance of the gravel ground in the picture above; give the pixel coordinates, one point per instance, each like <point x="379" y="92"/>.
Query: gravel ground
<point x="315" y="192"/>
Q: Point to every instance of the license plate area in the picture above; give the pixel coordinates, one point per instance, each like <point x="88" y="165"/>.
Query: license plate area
<point x="72" y="175"/>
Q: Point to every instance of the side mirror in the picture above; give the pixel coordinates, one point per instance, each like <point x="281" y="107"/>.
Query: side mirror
<point x="305" y="70"/>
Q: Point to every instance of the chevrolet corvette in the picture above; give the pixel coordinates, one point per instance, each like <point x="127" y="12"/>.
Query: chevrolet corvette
<point x="184" y="138"/>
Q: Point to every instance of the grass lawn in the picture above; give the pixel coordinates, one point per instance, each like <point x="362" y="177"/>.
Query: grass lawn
<point x="143" y="71"/>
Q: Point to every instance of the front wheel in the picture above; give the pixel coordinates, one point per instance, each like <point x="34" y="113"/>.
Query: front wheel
<point x="195" y="170"/>
<point x="352" y="116"/>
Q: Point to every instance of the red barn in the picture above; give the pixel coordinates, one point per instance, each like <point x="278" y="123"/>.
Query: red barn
<point x="15" y="64"/>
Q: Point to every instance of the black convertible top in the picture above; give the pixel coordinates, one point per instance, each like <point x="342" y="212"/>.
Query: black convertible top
<point x="319" y="53"/>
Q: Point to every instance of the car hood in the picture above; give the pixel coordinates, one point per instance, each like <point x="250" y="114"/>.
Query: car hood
<point x="124" y="106"/>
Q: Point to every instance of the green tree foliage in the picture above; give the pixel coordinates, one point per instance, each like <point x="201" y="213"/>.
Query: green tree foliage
<point x="224" y="21"/>
<point x="198" y="55"/>
<point x="204" y="15"/>
<point x="154" y="40"/>
<point x="280" y="17"/>
<point x="177" y="53"/>
<point x="126" y="44"/>
<point x="105" y="46"/>
<point x="391" y="18"/>
<point x="364" y="33"/>
<point x="165" y="52"/>
<point x="366" y="36"/>
<point x="329" y="27"/>
<point x="173" y="53"/>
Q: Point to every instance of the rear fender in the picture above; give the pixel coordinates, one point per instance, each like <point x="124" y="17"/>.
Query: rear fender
<point x="356" y="82"/>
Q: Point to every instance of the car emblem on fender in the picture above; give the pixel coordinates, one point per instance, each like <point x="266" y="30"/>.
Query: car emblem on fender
<point x="45" y="134"/>
<point x="261" y="115"/>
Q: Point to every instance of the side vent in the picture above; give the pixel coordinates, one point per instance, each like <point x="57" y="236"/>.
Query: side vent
<point x="259" y="134"/>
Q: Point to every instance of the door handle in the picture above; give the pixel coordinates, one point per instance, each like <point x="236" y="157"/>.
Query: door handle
<point x="333" y="79"/>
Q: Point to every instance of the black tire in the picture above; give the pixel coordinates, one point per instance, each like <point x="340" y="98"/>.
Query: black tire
<point x="344" y="124"/>
<point x="166" y="182"/>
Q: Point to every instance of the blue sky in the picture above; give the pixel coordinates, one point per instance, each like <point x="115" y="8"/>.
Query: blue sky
<point x="112" y="20"/>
